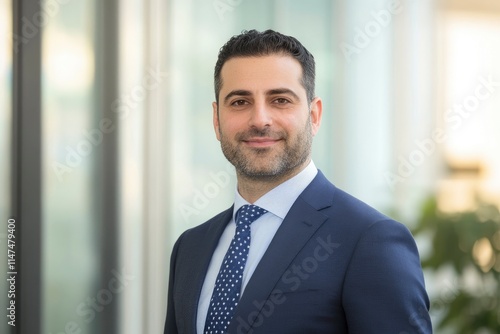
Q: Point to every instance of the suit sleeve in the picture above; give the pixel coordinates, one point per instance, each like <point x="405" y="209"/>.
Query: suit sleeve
<point x="384" y="289"/>
<point x="170" y="322"/>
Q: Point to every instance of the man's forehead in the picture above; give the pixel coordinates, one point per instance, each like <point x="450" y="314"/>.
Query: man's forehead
<point x="268" y="72"/>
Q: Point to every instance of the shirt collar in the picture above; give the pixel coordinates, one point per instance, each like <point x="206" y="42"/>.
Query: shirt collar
<point x="280" y="199"/>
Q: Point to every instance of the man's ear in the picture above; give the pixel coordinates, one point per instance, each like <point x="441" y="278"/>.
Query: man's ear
<point x="216" y="120"/>
<point x="316" y="113"/>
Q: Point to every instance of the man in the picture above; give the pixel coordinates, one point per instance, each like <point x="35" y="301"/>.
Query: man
<point x="294" y="254"/>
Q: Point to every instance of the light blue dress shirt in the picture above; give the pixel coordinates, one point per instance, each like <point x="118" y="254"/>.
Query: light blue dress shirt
<point x="277" y="202"/>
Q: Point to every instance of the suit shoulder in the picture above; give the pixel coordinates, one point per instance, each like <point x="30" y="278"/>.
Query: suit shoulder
<point x="324" y="196"/>
<point x="352" y="206"/>
<point x="354" y="214"/>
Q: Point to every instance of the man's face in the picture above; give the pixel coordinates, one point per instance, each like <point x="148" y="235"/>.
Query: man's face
<point x="264" y="121"/>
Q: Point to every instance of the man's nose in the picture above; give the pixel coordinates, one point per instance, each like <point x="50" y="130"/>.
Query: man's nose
<point x="260" y="116"/>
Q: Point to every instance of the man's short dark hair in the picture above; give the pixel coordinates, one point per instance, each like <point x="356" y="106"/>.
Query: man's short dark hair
<point x="253" y="43"/>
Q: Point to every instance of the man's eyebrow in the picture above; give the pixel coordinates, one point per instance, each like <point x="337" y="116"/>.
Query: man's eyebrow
<point x="238" y="92"/>
<point x="285" y="91"/>
<point x="276" y="91"/>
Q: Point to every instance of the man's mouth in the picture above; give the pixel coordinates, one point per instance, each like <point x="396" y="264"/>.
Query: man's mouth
<point x="261" y="142"/>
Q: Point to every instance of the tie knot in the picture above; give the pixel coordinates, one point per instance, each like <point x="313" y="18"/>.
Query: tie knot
<point x="247" y="214"/>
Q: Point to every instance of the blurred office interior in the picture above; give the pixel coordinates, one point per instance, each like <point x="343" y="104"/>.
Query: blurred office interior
<point x="108" y="152"/>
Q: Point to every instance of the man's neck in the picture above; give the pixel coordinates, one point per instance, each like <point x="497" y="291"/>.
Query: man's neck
<point x="251" y="189"/>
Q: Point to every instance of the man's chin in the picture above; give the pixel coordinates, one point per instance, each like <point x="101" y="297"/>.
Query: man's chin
<point x="261" y="173"/>
<point x="259" y="176"/>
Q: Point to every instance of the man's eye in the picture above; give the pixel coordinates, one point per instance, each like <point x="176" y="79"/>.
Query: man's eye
<point x="281" y="101"/>
<point x="239" y="103"/>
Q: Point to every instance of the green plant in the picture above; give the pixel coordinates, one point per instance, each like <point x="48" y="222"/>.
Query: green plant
<point x="469" y="243"/>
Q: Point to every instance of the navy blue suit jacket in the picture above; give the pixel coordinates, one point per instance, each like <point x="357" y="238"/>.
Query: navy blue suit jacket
<point x="335" y="265"/>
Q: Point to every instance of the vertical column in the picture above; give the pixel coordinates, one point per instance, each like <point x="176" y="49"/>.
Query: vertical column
<point x="26" y="169"/>
<point x="365" y="56"/>
<point x="157" y="170"/>
<point x="107" y="169"/>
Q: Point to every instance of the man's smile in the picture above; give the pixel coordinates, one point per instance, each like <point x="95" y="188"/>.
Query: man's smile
<point x="260" y="142"/>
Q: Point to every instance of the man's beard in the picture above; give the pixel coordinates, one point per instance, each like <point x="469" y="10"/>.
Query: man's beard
<point x="268" y="163"/>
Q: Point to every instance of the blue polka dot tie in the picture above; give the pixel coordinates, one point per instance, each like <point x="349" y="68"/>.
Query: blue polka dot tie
<point x="228" y="284"/>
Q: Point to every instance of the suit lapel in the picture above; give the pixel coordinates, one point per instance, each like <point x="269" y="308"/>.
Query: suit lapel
<point x="298" y="227"/>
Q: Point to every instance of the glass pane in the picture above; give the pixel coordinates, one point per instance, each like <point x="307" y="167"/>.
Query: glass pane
<point x="5" y="138"/>
<point x="70" y="247"/>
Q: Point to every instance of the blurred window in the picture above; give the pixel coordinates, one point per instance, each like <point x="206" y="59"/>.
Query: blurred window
<point x="472" y="100"/>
